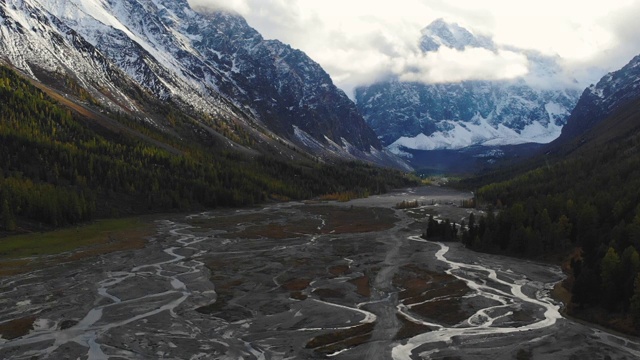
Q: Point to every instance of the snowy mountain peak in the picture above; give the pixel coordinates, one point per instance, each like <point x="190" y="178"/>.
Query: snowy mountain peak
<point x="441" y="33"/>
<point x="455" y="115"/>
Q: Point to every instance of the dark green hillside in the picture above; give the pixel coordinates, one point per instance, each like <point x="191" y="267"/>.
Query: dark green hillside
<point x="590" y="201"/>
<point x="58" y="167"/>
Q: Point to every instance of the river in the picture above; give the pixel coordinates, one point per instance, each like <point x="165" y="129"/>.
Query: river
<point x="300" y="281"/>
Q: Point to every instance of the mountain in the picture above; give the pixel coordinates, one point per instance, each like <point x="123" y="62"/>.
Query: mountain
<point x="441" y="33"/>
<point x="418" y="116"/>
<point x="141" y="57"/>
<point x="598" y="102"/>
<point x="62" y="164"/>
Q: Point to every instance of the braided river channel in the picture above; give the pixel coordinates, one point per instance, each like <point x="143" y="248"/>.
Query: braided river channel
<point x="310" y="280"/>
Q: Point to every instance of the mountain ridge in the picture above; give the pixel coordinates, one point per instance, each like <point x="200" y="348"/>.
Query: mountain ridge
<point x="211" y="65"/>
<point x="597" y="102"/>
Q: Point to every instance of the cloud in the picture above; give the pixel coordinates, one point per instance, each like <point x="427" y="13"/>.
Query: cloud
<point x="362" y="41"/>
<point x="236" y="6"/>
<point x="450" y="65"/>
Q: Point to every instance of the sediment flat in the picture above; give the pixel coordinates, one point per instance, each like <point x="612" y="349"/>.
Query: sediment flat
<point x="298" y="281"/>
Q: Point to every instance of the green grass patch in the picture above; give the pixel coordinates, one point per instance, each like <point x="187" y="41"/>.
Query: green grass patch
<point x="65" y="240"/>
<point x="23" y="253"/>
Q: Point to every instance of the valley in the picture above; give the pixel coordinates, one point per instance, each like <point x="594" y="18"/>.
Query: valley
<point x="347" y="280"/>
<point x="115" y="115"/>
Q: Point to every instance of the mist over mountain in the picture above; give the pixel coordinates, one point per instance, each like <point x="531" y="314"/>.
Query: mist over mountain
<point x="531" y="108"/>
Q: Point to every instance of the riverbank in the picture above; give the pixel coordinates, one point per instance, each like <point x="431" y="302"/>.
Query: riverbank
<point x="292" y="280"/>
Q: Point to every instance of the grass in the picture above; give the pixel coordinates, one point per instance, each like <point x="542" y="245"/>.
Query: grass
<point x="23" y="253"/>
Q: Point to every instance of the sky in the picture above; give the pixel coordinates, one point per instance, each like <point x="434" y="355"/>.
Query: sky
<point x="359" y="42"/>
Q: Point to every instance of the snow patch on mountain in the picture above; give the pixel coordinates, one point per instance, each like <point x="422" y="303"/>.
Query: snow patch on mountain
<point x="454" y="115"/>
<point x="211" y="64"/>
<point x="479" y="132"/>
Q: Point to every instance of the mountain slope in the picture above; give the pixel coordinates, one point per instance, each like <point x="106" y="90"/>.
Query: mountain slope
<point x="456" y="115"/>
<point x="133" y="54"/>
<point x="64" y="164"/>
<point x="599" y="102"/>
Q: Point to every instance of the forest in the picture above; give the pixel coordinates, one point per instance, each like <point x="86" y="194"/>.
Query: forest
<point x="585" y="207"/>
<point x="56" y="169"/>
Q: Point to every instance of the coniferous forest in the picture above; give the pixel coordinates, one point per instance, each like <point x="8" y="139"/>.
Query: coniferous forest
<point x="56" y="169"/>
<point x="586" y="207"/>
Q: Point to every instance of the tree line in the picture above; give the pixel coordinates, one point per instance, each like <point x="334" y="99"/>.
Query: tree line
<point x="56" y="170"/>
<point x="588" y="202"/>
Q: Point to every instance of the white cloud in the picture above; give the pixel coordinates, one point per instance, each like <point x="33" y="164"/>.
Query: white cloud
<point x="450" y="65"/>
<point x="362" y="41"/>
<point x="237" y="6"/>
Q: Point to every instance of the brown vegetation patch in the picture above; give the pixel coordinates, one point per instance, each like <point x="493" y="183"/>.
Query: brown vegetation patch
<point x="412" y="287"/>
<point x="16" y="328"/>
<point x="224" y="265"/>
<point x="271" y="231"/>
<point x="132" y="240"/>
<point x="14" y="267"/>
<point x="416" y="281"/>
<point x="329" y="293"/>
<point x="409" y="329"/>
<point x="338" y="270"/>
<point x="229" y="285"/>
<point x="298" y="295"/>
<point x="420" y="286"/>
<point x="278" y="231"/>
<point x="453" y="289"/>
<point x="228" y="221"/>
<point x="341" y="339"/>
<point x="296" y="284"/>
<point x="445" y="311"/>
<point x="349" y="220"/>
<point x="363" y="287"/>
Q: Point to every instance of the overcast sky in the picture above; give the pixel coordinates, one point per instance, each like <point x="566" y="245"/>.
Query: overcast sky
<point x="361" y="41"/>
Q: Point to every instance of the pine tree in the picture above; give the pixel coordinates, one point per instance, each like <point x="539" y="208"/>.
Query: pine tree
<point x="609" y="274"/>
<point x="7" y="216"/>
<point x="635" y="302"/>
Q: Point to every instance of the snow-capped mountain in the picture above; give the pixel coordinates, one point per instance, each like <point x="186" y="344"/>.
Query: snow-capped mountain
<point x="422" y="116"/>
<point x="603" y="99"/>
<point x="210" y="64"/>
<point x="440" y="33"/>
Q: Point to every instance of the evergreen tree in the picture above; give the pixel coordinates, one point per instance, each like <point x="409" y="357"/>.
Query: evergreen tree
<point x="635" y="302"/>
<point x="7" y="216"/>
